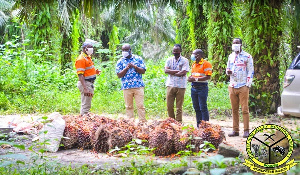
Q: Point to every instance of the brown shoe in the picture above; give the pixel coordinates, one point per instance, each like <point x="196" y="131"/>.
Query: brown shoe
<point x="233" y="134"/>
<point x="246" y="134"/>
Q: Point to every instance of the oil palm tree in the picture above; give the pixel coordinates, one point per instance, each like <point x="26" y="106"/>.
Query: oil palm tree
<point x="5" y="8"/>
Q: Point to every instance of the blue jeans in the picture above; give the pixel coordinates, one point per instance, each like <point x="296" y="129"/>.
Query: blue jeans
<point x="199" y="98"/>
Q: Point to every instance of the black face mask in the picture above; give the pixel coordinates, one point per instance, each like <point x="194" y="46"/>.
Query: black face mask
<point x="176" y="54"/>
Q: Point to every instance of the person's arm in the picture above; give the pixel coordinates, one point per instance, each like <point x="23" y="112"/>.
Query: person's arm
<point x="98" y="71"/>
<point x="184" y="70"/>
<point x="139" y="65"/>
<point x="140" y="70"/>
<point x="181" y="73"/>
<point x="250" y="69"/>
<point x="85" y="89"/>
<point x="170" y="71"/>
<point x="193" y="79"/>
<point x="124" y="71"/>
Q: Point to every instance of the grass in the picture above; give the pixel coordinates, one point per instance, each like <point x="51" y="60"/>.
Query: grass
<point x="46" y="91"/>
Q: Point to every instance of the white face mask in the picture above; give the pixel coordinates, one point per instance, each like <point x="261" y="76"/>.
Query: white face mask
<point x="125" y="54"/>
<point x="236" y="47"/>
<point x="89" y="51"/>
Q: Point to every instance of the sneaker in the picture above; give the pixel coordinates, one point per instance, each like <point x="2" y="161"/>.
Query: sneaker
<point x="246" y="134"/>
<point x="233" y="134"/>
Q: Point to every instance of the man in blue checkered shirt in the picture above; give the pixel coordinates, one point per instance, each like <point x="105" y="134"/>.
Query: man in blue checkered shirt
<point x="130" y="69"/>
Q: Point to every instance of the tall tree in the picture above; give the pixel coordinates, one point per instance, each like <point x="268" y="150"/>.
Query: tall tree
<point x="5" y="7"/>
<point x="295" y="26"/>
<point x="191" y="24"/>
<point x="263" y="30"/>
<point x="219" y="33"/>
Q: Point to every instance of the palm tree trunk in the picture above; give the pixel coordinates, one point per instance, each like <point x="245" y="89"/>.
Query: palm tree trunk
<point x="263" y="32"/>
<point x="220" y="34"/>
<point x="66" y="52"/>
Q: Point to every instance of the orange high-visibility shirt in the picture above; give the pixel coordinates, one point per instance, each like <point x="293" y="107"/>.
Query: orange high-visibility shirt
<point x="84" y="65"/>
<point x="201" y="69"/>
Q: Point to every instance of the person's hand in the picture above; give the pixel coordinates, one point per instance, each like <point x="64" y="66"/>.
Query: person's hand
<point x="98" y="72"/>
<point x="130" y="65"/>
<point x="87" y="92"/>
<point x="249" y="82"/>
<point x="191" y="79"/>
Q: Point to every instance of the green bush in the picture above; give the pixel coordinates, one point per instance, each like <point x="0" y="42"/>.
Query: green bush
<point x="3" y="101"/>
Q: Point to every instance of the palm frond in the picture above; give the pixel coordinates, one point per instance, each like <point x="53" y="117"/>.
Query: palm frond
<point x="64" y="15"/>
<point x="6" y="5"/>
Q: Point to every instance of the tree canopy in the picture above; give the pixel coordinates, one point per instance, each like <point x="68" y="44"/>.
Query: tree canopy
<point x="269" y="29"/>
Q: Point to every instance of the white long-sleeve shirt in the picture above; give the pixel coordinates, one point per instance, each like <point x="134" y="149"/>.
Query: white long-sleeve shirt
<point x="242" y="69"/>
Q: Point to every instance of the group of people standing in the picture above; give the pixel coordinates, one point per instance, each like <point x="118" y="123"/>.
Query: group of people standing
<point x="130" y="68"/>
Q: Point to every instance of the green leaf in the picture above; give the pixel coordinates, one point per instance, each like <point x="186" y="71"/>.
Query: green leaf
<point x="42" y="150"/>
<point x="22" y="147"/>
<point x="20" y="162"/>
<point x="45" y="118"/>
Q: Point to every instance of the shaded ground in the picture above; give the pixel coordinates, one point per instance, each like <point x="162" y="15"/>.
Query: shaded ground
<point x="77" y="156"/>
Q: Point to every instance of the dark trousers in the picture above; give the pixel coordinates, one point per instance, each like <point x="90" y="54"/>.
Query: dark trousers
<point x="199" y="98"/>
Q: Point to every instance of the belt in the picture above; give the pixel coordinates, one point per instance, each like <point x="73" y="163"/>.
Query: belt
<point x="92" y="81"/>
<point x="199" y="86"/>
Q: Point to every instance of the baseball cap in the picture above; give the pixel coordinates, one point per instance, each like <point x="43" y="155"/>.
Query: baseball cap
<point x="89" y="42"/>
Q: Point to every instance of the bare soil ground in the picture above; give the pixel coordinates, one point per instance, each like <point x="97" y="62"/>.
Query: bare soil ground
<point x="77" y="156"/>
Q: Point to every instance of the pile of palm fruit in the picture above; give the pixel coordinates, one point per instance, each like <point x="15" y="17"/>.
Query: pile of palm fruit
<point x="168" y="136"/>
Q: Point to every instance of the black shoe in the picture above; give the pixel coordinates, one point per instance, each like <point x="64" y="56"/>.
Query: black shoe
<point x="233" y="134"/>
<point x="246" y="134"/>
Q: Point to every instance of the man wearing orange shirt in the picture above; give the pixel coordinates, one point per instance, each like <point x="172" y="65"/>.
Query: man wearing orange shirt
<point x="201" y="72"/>
<point x="86" y="75"/>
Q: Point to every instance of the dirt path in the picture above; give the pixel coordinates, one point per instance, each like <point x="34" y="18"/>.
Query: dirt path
<point x="87" y="157"/>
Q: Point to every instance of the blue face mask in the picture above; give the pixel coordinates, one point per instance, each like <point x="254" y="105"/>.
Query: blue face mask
<point x="193" y="58"/>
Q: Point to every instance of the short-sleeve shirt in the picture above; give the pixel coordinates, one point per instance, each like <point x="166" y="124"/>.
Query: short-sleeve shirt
<point x="242" y="69"/>
<point x="84" y="65"/>
<point x="201" y="69"/>
<point x="132" y="79"/>
<point x="180" y="64"/>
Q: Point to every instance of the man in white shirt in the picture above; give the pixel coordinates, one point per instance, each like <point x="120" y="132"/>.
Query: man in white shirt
<point x="240" y="69"/>
<point x="176" y="67"/>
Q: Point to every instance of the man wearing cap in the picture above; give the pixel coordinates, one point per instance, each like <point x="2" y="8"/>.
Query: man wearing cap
<point x="201" y="72"/>
<point x="176" y="67"/>
<point x="130" y="69"/>
<point x="86" y="75"/>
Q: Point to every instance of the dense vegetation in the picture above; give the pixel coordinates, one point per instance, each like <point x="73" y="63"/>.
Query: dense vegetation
<point x="41" y="39"/>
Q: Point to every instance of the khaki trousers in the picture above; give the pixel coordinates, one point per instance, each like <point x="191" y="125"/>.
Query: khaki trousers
<point x="138" y="94"/>
<point x="172" y="94"/>
<point x="239" y="96"/>
<point x="86" y="102"/>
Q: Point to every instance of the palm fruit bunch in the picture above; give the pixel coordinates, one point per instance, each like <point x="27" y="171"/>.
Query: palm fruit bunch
<point x="167" y="136"/>
<point x="79" y="129"/>
<point x="211" y="133"/>
<point x="119" y="137"/>
<point x="187" y="137"/>
<point x="128" y="124"/>
<point x="164" y="137"/>
<point x="70" y="133"/>
<point x="111" y="134"/>
<point x="100" y="139"/>
<point x="142" y="132"/>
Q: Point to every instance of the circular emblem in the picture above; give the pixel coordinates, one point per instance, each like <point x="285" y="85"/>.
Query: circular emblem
<point x="269" y="146"/>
